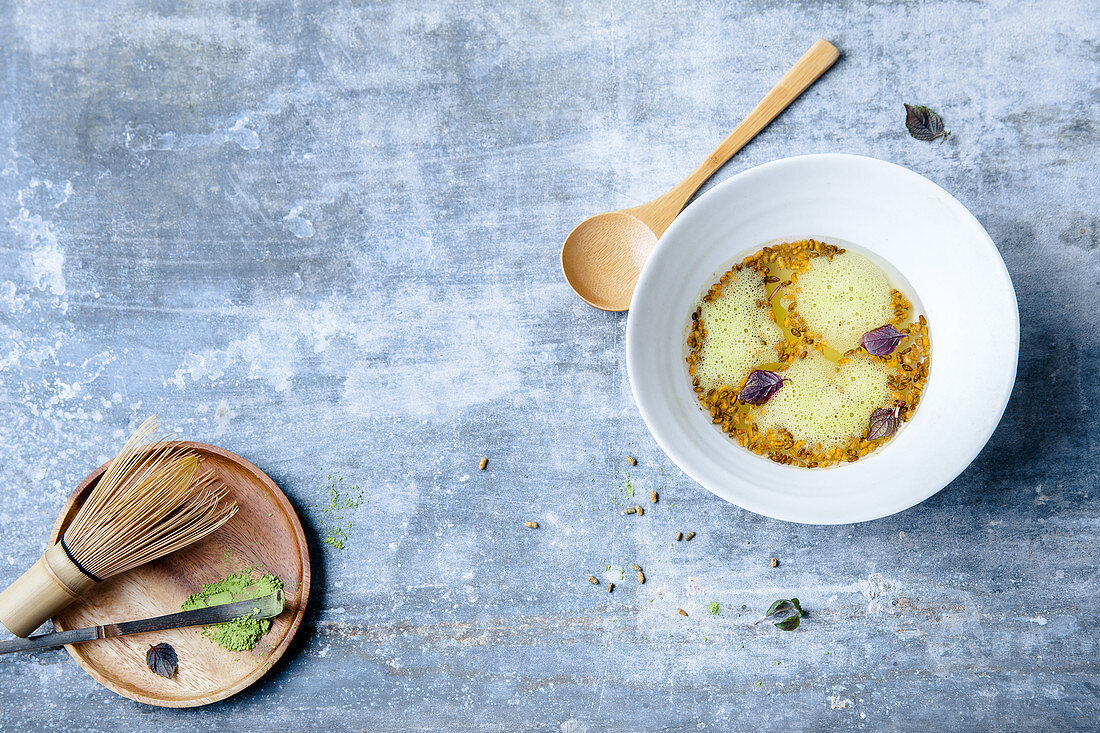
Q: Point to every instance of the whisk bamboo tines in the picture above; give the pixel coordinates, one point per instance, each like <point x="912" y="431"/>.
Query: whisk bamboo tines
<point x="151" y="501"/>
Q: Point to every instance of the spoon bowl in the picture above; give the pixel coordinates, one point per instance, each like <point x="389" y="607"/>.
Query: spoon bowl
<point x="603" y="256"/>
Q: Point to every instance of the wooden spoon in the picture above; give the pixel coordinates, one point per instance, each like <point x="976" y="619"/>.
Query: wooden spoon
<point x="603" y="256"/>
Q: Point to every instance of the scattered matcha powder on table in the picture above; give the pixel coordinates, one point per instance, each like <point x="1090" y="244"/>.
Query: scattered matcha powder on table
<point x="240" y="634"/>
<point x="335" y="528"/>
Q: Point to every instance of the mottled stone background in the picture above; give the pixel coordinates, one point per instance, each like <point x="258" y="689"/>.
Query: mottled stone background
<point x="326" y="237"/>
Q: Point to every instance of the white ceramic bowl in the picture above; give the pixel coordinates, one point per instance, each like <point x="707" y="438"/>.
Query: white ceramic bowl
<point x="923" y="234"/>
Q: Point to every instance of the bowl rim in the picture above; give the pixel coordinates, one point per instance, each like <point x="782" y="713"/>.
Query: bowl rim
<point x="650" y="280"/>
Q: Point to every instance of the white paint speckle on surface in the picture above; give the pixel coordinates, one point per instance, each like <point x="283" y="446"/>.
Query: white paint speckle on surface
<point x="300" y="226"/>
<point x="144" y="137"/>
<point x="44" y="261"/>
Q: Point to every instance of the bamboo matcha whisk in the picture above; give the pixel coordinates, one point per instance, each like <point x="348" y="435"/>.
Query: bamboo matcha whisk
<point x="150" y="501"/>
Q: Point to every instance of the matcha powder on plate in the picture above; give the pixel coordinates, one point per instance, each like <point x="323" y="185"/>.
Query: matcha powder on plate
<point x="240" y="634"/>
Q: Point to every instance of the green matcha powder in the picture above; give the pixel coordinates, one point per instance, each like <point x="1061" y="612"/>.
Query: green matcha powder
<point x="240" y="634"/>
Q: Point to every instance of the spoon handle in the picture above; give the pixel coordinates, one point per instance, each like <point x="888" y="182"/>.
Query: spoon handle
<point x="660" y="212"/>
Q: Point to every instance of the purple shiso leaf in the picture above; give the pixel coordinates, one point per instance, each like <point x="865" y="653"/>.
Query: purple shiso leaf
<point x="162" y="659"/>
<point x="760" y="386"/>
<point x="884" y="423"/>
<point x="883" y="340"/>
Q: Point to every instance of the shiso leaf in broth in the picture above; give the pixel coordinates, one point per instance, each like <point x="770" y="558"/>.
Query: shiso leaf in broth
<point x="760" y="386"/>
<point x="884" y="423"/>
<point x="882" y="340"/>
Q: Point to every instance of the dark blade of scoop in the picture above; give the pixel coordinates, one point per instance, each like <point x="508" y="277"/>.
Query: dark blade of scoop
<point x="265" y="607"/>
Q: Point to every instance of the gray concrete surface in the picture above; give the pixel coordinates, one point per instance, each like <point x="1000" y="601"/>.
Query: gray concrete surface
<point x="326" y="236"/>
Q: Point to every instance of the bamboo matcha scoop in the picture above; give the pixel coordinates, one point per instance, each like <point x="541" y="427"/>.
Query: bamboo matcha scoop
<point x="603" y="256"/>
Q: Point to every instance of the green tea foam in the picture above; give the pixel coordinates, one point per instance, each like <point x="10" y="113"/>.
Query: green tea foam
<point x="740" y="335"/>
<point x="824" y="402"/>
<point x="843" y="298"/>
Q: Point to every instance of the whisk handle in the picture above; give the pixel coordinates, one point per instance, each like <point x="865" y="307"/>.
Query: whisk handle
<point x="51" y="584"/>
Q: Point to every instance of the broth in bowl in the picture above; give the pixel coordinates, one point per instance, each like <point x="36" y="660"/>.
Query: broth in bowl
<point x="807" y="354"/>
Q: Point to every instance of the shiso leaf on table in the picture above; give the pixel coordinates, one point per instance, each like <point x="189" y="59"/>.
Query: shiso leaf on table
<point x="785" y="614"/>
<point x="924" y="124"/>
<point x="161" y="659"/>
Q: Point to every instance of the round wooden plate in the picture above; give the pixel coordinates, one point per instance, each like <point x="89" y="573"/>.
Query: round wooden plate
<point x="265" y="534"/>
